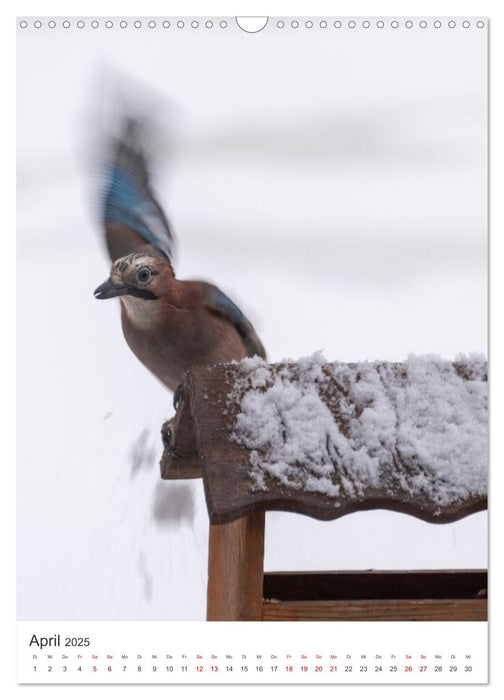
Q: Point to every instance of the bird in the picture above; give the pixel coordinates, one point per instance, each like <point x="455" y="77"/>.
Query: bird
<point x="171" y="325"/>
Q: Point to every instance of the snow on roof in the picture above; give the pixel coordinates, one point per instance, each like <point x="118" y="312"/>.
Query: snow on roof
<point x="419" y="427"/>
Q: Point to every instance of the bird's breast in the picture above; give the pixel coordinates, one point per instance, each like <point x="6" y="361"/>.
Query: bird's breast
<point x="170" y="341"/>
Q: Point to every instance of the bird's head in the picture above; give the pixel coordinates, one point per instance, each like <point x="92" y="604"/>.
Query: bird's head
<point x="142" y="275"/>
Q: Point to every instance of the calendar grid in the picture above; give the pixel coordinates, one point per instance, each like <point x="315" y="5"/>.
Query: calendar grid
<point x="169" y="653"/>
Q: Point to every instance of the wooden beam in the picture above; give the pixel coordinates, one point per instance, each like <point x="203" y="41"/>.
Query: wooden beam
<point x="235" y="569"/>
<point x="362" y="585"/>
<point x="375" y="610"/>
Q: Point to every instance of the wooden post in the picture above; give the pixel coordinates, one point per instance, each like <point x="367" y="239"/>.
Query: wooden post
<point x="199" y="442"/>
<point x="235" y="569"/>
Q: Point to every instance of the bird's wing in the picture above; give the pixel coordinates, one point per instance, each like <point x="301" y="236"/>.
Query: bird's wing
<point x="130" y="213"/>
<point x="220" y="304"/>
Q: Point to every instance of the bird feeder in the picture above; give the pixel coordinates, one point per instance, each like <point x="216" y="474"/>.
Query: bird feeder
<point x="408" y="437"/>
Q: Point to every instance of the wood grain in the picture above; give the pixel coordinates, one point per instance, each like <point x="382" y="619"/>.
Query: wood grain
<point x="178" y="436"/>
<point x="201" y="434"/>
<point x="375" y="610"/>
<point x="232" y="493"/>
<point x="235" y="569"/>
<point x="357" y="585"/>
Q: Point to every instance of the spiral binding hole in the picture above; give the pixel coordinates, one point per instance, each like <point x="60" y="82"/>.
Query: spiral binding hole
<point x="280" y="24"/>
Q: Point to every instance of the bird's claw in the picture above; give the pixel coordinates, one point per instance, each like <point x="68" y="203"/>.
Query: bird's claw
<point x="172" y="452"/>
<point x="177" y="396"/>
<point x="167" y="436"/>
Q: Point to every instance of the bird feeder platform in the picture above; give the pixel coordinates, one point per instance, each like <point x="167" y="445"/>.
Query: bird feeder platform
<point x="371" y="456"/>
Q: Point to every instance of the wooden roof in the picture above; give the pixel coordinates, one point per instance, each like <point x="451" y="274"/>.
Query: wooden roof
<point x="201" y="434"/>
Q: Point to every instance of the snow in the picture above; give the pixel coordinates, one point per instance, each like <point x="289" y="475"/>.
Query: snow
<point x="336" y="429"/>
<point x="351" y="219"/>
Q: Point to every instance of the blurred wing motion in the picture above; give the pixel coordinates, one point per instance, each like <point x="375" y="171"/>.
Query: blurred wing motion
<point x="130" y="212"/>
<point x="221" y="305"/>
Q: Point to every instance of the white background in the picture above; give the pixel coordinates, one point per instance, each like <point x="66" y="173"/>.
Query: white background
<point x="243" y="298"/>
<point x="334" y="183"/>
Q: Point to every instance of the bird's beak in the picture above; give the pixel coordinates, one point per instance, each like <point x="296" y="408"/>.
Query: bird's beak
<point x="107" y="290"/>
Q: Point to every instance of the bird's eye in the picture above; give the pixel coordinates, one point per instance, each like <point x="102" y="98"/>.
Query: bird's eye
<point x="144" y="274"/>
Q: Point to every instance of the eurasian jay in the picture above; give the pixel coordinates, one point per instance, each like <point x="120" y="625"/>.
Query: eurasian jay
<point x="169" y="324"/>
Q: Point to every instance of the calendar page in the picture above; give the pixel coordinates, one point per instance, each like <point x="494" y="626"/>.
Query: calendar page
<point x="263" y="458"/>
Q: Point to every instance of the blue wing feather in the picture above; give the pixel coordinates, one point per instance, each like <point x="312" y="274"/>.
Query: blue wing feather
<point x="127" y="197"/>
<point x="222" y="304"/>
<point x="221" y="300"/>
<point x="124" y="202"/>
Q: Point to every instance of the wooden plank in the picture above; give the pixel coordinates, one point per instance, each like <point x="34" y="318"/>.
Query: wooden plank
<point x="375" y="610"/>
<point x="178" y="437"/>
<point x="235" y="569"/>
<point x="232" y="493"/>
<point x="357" y="585"/>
